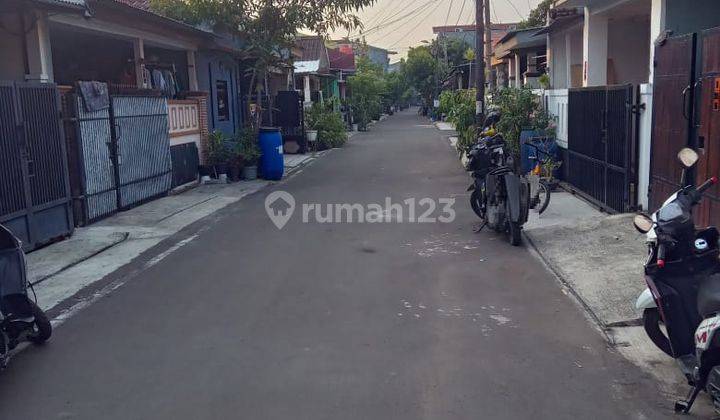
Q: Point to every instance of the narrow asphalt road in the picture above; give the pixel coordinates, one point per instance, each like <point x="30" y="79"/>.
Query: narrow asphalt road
<point x="334" y="321"/>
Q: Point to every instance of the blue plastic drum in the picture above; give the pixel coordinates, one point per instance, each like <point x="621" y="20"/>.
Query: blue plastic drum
<point x="272" y="164"/>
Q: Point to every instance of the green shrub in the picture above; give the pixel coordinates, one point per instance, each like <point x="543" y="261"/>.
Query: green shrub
<point x="459" y="108"/>
<point x="246" y="147"/>
<point x="520" y="109"/>
<point x="329" y="125"/>
<point x="466" y="139"/>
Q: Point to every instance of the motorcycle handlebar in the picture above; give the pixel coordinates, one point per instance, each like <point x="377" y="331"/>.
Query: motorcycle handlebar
<point x="661" y="256"/>
<point x="707" y="184"/>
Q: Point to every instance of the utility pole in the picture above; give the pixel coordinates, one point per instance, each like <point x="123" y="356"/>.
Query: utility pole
<point x="489" y="47"/>
<point x="479" y="62"/>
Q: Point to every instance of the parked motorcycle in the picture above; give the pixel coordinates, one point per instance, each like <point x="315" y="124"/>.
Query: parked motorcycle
<point x="499" y="196"/>
<point x="21" y="319"/>
<point x="681" y="306"/>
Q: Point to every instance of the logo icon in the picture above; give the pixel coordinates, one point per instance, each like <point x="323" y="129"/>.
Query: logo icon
<point x="280" y="206"/>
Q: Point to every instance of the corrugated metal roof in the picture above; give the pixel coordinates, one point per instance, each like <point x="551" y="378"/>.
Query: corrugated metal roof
<point x="71" y="3"/>
<point x="310" y="66"/>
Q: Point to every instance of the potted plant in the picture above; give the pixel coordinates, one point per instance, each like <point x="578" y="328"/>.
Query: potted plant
<point x="250" y="153"/>
<point x="218" y="154"/>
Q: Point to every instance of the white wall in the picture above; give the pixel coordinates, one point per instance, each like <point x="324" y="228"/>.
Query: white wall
<point x="557" y="105"/>
<point x="558" y="61"/>
<point x="644" y="144"/>
<point x="629" y="50"/>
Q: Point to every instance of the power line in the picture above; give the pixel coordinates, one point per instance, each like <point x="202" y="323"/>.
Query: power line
<point x="447" y="17"/>
<point x="515" y="9"/>
<point x="416" y="26"/>
<point x="384" y="25"/>
<point x="462" y="10"/>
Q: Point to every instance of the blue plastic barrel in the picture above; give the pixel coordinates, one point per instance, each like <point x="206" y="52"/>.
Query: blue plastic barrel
<point x="272" y="164"/>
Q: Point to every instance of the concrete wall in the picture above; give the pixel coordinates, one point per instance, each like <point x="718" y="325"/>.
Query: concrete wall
<point x="557" y="106"/>
<point x="11" y="65"/>
<point x="644" y="143"/>
<point x="685" y="16"/>
<point x="628" y="50"/>
<point x="558" y="61"/>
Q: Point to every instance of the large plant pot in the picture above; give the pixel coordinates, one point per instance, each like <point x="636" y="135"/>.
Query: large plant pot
<point x="249" y="173"/>
<point x="235" y="172"/>
<point x="220" y="169"/>
<point x="311" y="136"/>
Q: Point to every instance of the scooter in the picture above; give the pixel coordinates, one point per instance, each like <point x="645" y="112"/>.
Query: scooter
<point x="499" y="196"/>
<point x="21" y="319"/>
<point x="682" y="273"/>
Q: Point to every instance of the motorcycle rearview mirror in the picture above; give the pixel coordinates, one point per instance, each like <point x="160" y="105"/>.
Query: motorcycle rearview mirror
<point x="643" y="223"/>
<point x="688" y="157"/>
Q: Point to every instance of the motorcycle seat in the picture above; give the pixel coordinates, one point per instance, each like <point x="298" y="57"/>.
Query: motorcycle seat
<point x="708" y="299"/>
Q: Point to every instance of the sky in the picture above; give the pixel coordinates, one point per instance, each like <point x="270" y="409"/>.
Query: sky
<point x="399" y="24"/>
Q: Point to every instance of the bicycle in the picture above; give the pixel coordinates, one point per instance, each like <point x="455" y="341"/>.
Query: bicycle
<point x="539" y="185"/>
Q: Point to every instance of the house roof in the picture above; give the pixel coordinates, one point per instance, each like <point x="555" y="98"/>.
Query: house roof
<point x="518" y="40"/>
<point x="75" y="4"/>
<point x="471" y="28"/>
<point x="313" y="47"/>
<point x="305" y="67"/>
<point x="143" y="7"/>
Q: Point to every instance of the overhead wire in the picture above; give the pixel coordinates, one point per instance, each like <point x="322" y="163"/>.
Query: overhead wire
<point x="462" y="10"/>
<point x="447" y="17"/>
<point x="515" y="8"/>
<point x="376" y="28"/>
<point x="416" y="26"/>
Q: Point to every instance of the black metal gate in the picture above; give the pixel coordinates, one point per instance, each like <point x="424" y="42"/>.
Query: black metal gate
<point x="290" y="117"/>
<point x="119" y="157"/>
<point x="34" y="186"/>
<point x="601" y="162"/>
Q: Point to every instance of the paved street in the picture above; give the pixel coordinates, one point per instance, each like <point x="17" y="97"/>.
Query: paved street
<point x="235" y="319"/>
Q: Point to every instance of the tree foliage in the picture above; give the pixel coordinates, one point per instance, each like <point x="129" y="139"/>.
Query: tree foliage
<point x="268" y="27"/>
<point x="537" y="16"/>
<point x="420" y="70"/>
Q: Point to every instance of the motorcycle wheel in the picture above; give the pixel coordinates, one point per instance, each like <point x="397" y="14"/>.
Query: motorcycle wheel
<point x="476" y="204"/>
<point x="42" y="325"/>
<point x="651" y="323"/>
<point x="514" y="229"/>
<point x="543" y="197"/>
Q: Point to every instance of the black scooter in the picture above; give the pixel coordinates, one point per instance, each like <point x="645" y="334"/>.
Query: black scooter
<point x="499" y="196"/>
<point x="22" y="319"/>
<point x="683" y="292"/>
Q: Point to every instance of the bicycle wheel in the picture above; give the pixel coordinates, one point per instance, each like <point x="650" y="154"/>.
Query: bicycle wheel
<point x="543" y="197"/>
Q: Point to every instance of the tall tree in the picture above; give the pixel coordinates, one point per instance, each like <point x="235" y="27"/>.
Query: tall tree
<point x="421" y="69"/>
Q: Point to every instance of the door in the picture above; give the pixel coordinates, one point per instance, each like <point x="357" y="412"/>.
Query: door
<point x="35" y="201"/>
<point x="672" y="99"/>
<point x="601" y="160"/>
<point x="223" y="100"/>
<point x="707" y="120"/>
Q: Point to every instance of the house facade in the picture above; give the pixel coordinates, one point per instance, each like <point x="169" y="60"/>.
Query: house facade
<point x="610" y="48"/>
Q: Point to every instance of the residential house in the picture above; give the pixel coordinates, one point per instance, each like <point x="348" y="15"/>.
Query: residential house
<point x="466" y="35"/>
<point x="312" y="70"/>
<point x="519" y="58"/>
<point x="616" y="114"/>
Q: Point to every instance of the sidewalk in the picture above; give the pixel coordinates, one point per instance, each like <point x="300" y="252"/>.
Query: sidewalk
<point x="599" y="259"/>
<point x="61" y="270"/>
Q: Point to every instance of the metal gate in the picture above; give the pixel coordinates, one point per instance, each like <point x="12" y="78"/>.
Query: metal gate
<point x="672" y="95"/>
<point x="119" y="157"/>
<point x="34" y="186"/>
<point x="601" y="145"/>
<point x="144" y="164"/>
<point x="290" y="117"/>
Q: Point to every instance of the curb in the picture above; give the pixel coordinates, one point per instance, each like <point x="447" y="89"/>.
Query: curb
<point x="576" y="296"/>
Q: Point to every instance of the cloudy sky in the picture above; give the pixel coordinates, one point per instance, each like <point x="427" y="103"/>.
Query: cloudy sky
<point x="400" y="24"/>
